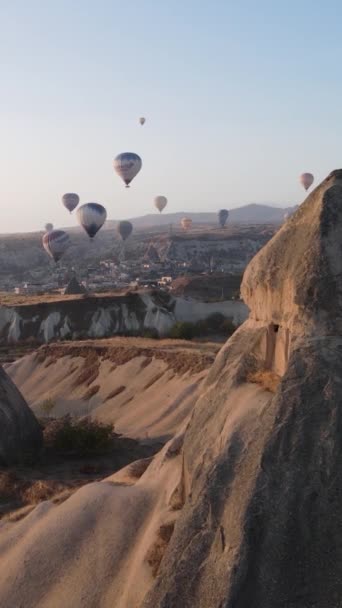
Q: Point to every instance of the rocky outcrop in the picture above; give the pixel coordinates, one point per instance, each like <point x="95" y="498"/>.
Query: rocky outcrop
<point x="262" y="524"/>
<point x="20" y="433"/>
<point x="242" y="508"/>
<point x="74" y="287"/>
<point x="151" y="254"/>
<point x="105" y="316"/>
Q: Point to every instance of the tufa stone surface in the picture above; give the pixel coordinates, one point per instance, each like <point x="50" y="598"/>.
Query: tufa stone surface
<point x="261" y="526"/>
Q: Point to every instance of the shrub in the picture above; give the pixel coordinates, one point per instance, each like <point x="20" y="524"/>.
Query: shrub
<point x="151" y="332"/>
<point x="183" y="330"/>
<point x="80" y="437"/>
<point x="268" y="379"/>
<point x="216" y="323"/>
<point x="228" y="327"/>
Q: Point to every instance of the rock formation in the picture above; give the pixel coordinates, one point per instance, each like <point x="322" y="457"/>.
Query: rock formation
<point x="242" y="509"/>
<point x="104" y="316"/>
<point x="74" y="287"/>
<point x="262" y="525"/>
<point x="152" y="255"/>
<point x="20" y="434"/>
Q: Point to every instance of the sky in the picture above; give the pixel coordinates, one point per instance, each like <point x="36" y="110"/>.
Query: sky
<point x="239" y="97"/>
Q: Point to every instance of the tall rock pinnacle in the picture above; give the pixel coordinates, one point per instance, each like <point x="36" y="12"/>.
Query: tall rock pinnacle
<point x="262" y="521"/>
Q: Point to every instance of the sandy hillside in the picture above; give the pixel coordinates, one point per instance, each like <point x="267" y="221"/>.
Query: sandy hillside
<point x="103" y="546"/>
<point x="147" y="388"/>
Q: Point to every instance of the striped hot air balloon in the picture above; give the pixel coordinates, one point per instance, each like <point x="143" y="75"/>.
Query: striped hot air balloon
<point x="70" y="201"/>
<point x="127" y="165"/>
<point x="91" y="217"/>
<point x="55" y="243"/>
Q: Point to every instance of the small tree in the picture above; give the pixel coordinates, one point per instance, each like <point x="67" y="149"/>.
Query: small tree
<point x="183" y="330"/>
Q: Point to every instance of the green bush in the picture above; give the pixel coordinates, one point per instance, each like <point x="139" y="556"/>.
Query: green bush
<point x="216" y="323"/>
<point x="183" y="330"/>
<point x="151" y="332"/>
<point x="80" y="437"/>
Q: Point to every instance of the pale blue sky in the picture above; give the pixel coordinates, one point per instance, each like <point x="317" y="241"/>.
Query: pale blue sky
<point x="240" y="97"/>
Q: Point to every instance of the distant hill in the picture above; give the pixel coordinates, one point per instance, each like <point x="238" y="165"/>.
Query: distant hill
<point x="254" y="213"/>
<point x="248" y="214"/>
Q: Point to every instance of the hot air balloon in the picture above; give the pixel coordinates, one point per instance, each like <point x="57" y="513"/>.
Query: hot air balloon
<point x="91" y="217"/>
<point x="160" y="202"/>
<point x="70" y="201"/>
<point x="142" y="120"/>
<point x="127" y="165"/>
<point x="186" y="223"/>
<point x="48" y="227"/>
<point x="306" y="179"/>
<point x="56" y="243"/>
<point x="125" y="228"/>
<point x="222" y="217"/>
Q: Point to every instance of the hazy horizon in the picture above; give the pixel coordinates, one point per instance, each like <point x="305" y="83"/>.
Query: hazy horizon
<point x="74" y="224"/>
<point x="234" y="112"/>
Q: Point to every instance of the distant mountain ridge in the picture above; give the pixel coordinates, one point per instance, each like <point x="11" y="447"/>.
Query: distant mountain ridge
<point x="253" y="213"/>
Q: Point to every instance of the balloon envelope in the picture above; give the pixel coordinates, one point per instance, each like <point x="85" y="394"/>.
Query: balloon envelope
<point x="186" y="223"/>
<point x="223" y="216"/>
<point x="48" y="227"/>
<point x="70" y="200"/>
<point x="142" y="120"/>
<point x="56" y="243"/>
<point x="160" y="202"/>
<point x="91" y="217"/>
<point x="127" y="165"/>
<point x="306" y="179"/>
<point x="125" y="228"/>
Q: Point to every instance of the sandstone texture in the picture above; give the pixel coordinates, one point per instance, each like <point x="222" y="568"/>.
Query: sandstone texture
<point x="20" y="434"/>
<point x="242" y="508"/>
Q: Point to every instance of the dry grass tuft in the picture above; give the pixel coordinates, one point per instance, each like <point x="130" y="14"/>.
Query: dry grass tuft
<point x="156" y="552"/>
<point x="266" y="378"/>
<point x="43" y="489"/>
<point x="18" y="514"/>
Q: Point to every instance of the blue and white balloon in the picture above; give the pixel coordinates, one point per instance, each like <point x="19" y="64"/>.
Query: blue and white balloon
<point x="91" y="217"/>
<point x="70" y="201"/>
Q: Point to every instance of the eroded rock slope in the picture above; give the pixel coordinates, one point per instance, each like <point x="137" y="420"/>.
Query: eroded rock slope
<point x="242" y="508"/>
